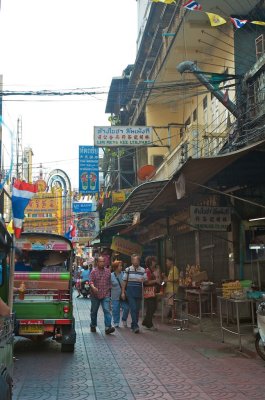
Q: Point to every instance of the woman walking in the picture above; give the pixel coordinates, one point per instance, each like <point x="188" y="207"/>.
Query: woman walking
<point x="117" y="302"/>
<point x="151" y="287"/>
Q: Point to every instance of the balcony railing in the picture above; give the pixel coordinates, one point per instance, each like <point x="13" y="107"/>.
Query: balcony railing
<point x="194" y="144"/>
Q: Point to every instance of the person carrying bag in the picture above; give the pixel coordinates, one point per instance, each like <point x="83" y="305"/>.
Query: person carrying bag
<point x="151" y="288"/>
<point x="117" y="301"/>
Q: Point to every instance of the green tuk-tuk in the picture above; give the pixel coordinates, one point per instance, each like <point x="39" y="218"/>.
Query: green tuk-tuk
<point x="43" y="288"/>
<point x="6" y="323"/>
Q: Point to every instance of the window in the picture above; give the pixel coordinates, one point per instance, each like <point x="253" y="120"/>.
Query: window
<point x="205" y="111"/>
<point x="194" y="115"/>
<point x="188" y="121"/>
<point x="181" y="133"/>
<point x="205" y="103"/>
<point x="158" y="160"/>
<point x="195" y="144"/>
<point x="206" y="146"/>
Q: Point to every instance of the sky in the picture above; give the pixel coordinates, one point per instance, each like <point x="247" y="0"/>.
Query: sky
<point x="62" y="44"/>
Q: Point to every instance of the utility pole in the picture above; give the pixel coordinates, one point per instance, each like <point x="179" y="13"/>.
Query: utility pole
<point x="19" y="149"/>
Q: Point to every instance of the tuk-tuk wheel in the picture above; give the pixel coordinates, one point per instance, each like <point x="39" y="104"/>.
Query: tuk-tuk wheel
<point x="5" y="387"/>
<point x="67" y="348"/>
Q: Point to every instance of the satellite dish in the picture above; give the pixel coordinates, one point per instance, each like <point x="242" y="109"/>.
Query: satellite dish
<point x="146" y="172"/>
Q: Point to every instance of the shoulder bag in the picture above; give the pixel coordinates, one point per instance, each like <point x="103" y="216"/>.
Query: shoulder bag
<point x="121" y="287"/>
<point x="149" y="291"/>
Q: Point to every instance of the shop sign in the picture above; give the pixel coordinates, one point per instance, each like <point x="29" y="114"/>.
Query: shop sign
<point x="125" y="246"/>
<point x="43" y="202"/>
<point x="88" y="225"/>
<point x="88" y="170"/>
<point x="108" y="136"/>
<point x="118" y="197"/>
<point x="79" y="207"/>
<point x="210" y="218"/>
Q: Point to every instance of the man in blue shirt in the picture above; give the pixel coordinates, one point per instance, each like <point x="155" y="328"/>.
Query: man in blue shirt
<point x="133" y="279"/>
<point x="85" y="276"/>
<point x="85" y="273"/>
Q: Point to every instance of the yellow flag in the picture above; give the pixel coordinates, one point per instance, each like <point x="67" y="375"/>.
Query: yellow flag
<point x="164" y="1"/>
<point x="215" y="20"/>
<point x="258" y="22"/>
<point x="10" y="227"/>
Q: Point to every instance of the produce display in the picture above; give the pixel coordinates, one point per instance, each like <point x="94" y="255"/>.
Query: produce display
<point x="192" y="276"/>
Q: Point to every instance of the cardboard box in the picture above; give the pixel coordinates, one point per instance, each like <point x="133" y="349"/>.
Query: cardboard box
<point x="200" y="277"/>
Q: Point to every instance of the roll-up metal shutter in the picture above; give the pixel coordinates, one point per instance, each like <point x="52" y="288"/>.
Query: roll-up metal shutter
<point x="214" y="255"/>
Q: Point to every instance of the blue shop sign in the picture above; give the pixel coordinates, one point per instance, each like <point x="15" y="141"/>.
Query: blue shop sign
<point x="88" y="170"/>
<point x="79" y="207"/>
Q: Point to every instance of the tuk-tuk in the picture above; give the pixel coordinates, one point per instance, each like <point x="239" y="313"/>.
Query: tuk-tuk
<point x="43" y="288"/>
<point x="6" y="323"/>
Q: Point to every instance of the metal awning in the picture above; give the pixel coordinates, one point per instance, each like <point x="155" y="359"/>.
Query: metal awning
<point x="158" y="199"/>
<point x="140" y="198"/>
<point x="197" y="172"/>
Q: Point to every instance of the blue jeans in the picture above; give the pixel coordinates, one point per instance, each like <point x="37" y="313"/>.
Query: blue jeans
<point x="105" y="304"/>
<point x="116" y="311"/>
<point x="134" y="305"/>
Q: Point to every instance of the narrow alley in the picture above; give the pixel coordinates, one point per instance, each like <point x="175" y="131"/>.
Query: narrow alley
<point x="167" y="364"/>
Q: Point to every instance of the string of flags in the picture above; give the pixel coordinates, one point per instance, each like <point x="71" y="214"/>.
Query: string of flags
<point x="215" y="19"/>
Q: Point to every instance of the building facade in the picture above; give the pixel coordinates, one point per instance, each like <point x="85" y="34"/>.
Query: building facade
<point x="201" y="88"/>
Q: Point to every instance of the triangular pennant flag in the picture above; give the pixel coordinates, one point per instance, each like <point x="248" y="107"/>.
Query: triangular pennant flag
<point x="215" y="20"/>
<point x="192" y="5"/>
<point x="10" y="227"/>
<point x="258" y="22"/>
<point x="238" y="23"/>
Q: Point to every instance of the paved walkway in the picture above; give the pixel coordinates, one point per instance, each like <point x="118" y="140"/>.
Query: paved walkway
<point x="166" y="365"/>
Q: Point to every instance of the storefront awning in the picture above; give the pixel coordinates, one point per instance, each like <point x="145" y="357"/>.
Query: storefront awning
<point x="140" y="198"/>
<point x="156" y="200"/>
<point x="196" y="172"/>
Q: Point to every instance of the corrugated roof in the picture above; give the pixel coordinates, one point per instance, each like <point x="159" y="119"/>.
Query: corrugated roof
<point x="140" y="198"/>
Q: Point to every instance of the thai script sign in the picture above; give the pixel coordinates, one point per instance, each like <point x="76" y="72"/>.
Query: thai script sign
<point x="107" y="136"/>
<point x="88" y="170"/>
<point x="44" y="202"/>
<point x="44" y="213"/>
<point x="210" y="218"/>
<point x="125" y="246"/>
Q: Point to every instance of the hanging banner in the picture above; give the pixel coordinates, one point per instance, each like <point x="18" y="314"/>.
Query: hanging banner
<point x="88" y="170"/>
<point x="210" y="218"/>
<point x="125" y="246"/>
<point x="108" y="136"/>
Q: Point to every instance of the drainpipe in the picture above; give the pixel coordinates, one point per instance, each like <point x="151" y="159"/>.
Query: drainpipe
<point x="192" y="67"/>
